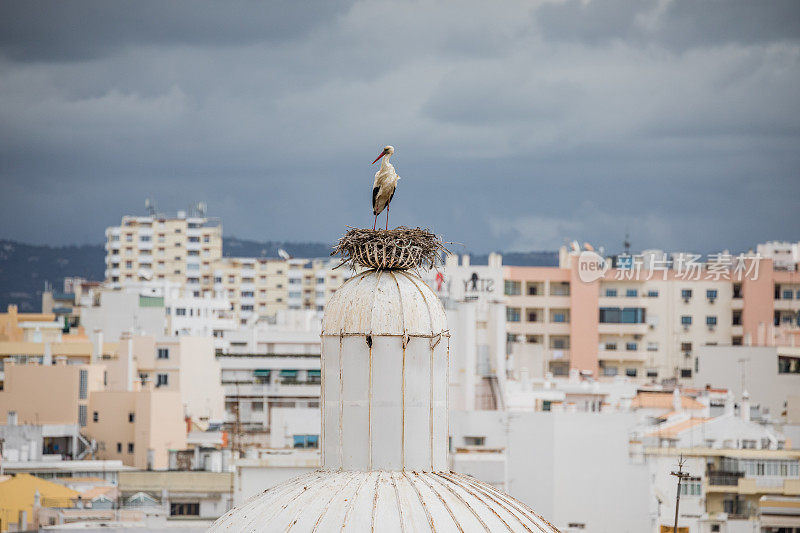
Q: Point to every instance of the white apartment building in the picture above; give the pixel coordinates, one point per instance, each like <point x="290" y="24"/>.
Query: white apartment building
<point x="785" y="255"/>
<point x="268" y="365"/>
<point x="182" y="249"/>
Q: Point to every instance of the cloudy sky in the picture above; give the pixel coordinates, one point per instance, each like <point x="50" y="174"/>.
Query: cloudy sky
<point x="516" y="125"/>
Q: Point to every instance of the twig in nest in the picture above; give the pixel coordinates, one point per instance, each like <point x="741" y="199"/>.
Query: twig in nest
<point x="395" y="249"/>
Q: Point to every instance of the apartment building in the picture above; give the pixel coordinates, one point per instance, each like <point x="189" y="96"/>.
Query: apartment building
<point x="644" y="326"/>
<point x="263" y="287"/>
<point x="182" y="249"/>
<point x="268" y="366"/>
<point x="185" y="365"/>
<point x="253" y="286"/>
<point x="136" y="425"/>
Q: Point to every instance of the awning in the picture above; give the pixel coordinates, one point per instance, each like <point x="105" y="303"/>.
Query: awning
<point x="288" y="373"/>
<point x="261" y="372"/>
<point x="314" y="373"/>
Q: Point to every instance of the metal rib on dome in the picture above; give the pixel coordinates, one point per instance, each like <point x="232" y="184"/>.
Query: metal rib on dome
<point x="383" y="501"/>
<point x="380" y="302"/>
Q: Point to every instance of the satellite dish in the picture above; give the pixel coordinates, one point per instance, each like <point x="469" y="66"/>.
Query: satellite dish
<point x="575" y="246"/>
<point x="284" y="254"/>
<point x="587" y="246"/>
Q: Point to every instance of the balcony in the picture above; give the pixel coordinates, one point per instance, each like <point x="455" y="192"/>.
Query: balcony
<point x="622" y="355"/>
<point x="558" y="354"/>
<point x="605" y="328"/>
<point x="786" y="305"/>
<point x="289" y="388"/>
<point x="721" y="478"/>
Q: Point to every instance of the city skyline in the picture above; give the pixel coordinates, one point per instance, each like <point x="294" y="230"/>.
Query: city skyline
<point x="536" y="124"/>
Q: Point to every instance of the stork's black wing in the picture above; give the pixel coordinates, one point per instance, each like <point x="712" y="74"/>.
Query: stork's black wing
<point x="374" y="199"/>
<point x="391" y="196"/>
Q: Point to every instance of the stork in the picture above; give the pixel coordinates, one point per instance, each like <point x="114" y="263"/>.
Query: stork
<point x="384" y="185"/>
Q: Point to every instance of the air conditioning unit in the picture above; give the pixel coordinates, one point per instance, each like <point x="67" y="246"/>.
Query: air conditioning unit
<point x="712" y="300"/>
<point x="686" y="300"/>
<point x="711" y="328"/>
<point x="637" y="337"/>
<point x="686" y="327"/>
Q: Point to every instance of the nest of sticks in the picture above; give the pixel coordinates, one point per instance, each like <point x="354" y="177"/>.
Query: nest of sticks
<point x="395" y="249"/>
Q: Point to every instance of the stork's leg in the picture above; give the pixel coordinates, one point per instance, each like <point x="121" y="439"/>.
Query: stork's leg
<point x="375" y="223"/>
<point x="387" y="217"/>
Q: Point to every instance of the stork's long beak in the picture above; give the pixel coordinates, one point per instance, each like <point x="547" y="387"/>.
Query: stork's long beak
<point x="379" y="156"/>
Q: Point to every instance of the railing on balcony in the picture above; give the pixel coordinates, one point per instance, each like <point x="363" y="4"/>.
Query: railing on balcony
<point x="720" y="477"/>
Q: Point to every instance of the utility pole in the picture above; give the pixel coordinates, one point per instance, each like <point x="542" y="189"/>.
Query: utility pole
<point x="681" y="475"/>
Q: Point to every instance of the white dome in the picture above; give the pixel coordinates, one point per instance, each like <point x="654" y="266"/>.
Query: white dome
<point x="385" y="302"/>
<point x="383" y="501"/>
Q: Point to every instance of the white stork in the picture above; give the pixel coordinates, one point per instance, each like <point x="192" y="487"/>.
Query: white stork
<point x="384" y="185"/>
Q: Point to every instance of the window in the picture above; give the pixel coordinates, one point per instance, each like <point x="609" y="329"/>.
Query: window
<point x="609" y="371"/>
<point x="652" y="346"/>
<point x="512" y="314"/>
<point x="652" y="373"/>
<point x="532" y="316"/>
<point x="559" y="317"/>
<point x="652" y="294"/>
<point x="691" y="487"/>
<point x="627" y="315"/>
<point x="474" y="441"/>
<point x="631" y="346"/>
<point x="130" y="447"/>
<point x="163" y="353"/>
<point x="95" y="416"/>
<point x="630" y="372"/>
<point x="686" y="346"/>
<point x="788" y="365"/>
<point x="180" y="311"/>
<point x="184" y="509"/>
<point x="257" y="406"/>
<point x="711" y="320"/>
<point x="82" y="413"/>
<point x="131" y="418"/>
<point x="162" y="380"/>
<point x="686" y="320"/>
<point x="306" y="441"/>
<point x="686" y="372"/>
<point x="611" y="346"/>
<point x="686" y="294"/>
<point x="611" y="293"/>
<point x="631" y="293"/>
<point x="512" y="337"/>
<point x="83" y="380"/>
<point x="119" y="447"/>
<point x="513" y="288"/>
<point x="533" y="339"/>
<point x="787" y="295"/>
<point x="711" y="294"/>
<point x="748" y="444"/>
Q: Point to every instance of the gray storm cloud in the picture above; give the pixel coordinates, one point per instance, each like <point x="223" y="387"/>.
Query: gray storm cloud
<point x="515" y="128"/>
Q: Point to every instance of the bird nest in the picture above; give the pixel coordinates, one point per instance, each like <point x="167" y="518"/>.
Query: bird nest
<point x="395" y="249"/>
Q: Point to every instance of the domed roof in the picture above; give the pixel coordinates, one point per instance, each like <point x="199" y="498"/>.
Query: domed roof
<point x="384" y="302"/>
<point x="383" y="501"/>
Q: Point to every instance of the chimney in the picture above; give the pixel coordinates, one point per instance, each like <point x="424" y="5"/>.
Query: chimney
<point x="97" y="351"/>
<point x="465" y="260"/>
<point x="744" y="408"/>
<point x="47" y="358"/>
<point x="677" y="404"/>
<point x="729" y="403"/>
<point x="495" y="260"/>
